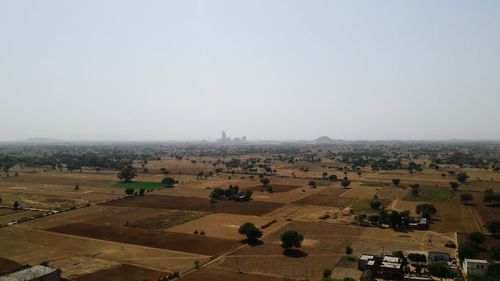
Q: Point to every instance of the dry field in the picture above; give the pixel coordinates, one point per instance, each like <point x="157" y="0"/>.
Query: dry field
<point x="255" y="208"/>
<point x="88" y="254"/>
<point x="122" y="272"/>
<point x="329" y="196"/>
<point x="323" y="246"/>
<point x="209" y="274"/>
<point x="191" y="243"/>
<point x="224" y="225"/>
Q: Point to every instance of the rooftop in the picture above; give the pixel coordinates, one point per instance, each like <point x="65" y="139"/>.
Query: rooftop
<point x="476" y="261"/>
<point x="28" y="273"/>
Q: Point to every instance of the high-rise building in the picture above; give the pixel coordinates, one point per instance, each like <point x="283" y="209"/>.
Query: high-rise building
<point x="223" y="137"/>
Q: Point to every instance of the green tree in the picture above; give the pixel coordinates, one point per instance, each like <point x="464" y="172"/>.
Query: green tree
<point x="426" y="210"/>
<point x="375" y="204"/>
<point x="312" y="184"/>
<point x="345" y="182"/>
<point x="129" y="191"/>
<point x="265" y="181"/>
<point x="439" y="270"/>
<point x="415" y="189"/>
<point x="348" y="250"/>
<point x="291" y="239"/>
<point x="127" y="174"/>
<point x="462" y="177"/>
<point x="493" y="226"/>
<point x="468" y="250"/>
<point x="250" y="231"/>
<point x="16" y="206"/>
<point x="327" y="273"/>
<point x="477" y="237"/>
<point x="396" y="181"/>
<point x="454" y="185"/>
<point x="141" y="191"/>
<point x="332" y="177"/>
<point x="168" y="182"/>
<point x="466" y="198"/>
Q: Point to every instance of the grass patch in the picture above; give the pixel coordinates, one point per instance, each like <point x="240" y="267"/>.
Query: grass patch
<point x="323" y="183"/>
<point x="138" y="185"/>
<point x="432" y="194"/>
<point x="167" y="220"/>
<point x="371" y="184"/>
<point x="347" y="262"/>
<point x="362" y="206"/>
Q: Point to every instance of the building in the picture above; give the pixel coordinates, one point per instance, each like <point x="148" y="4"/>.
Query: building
<point x="387" y="267"/>
<point x="34" y="273"/>
<point x="438" y="257"/>
<point x="473" y="267"/>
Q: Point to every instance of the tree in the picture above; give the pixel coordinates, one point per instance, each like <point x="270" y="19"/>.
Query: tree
<point x="16" y="206"/>
<point x="375" y="204"/>
<point x="312" y="184"/>
<point x="466" y="198"/>
<point x="462" y="177"/>
<point x="345" y="182"/>
<point x="493" y="226"/>
<point x="265" y="181"/>
<point x="250" y="231"/>
<point x="477" y="237"/>
<point x="141" y="191"/>
<point x="327" y="273"/>
<point x="468" y="250"/>
<point x="426" y="210"/>
<point x="291" y="239"/>
<point x="439" y="270"/>
<point x="127" y="174"/>
<point x="332" y="177"/>
<point x="129" y="191"/>
<point x="168" y="182"/>
<point x="396" y="181"/>
<point x="415" y="189"/>
<point x="348" y="250"/>
<point x="454" y="185"/>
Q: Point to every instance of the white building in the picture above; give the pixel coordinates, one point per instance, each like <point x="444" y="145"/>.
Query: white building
<point x="473" y="267"/>
<point x="34" y="273"/>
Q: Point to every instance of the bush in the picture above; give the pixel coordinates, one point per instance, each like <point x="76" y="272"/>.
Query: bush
<point x="477" y="237"/>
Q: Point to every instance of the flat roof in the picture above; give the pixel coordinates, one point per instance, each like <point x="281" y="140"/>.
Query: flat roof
<point x="391" y="265"/>
<point x="391" y="259"/>
<point x="28" y="273"/>
<point x="366" y="257"/>
<point x="476" y="261"/>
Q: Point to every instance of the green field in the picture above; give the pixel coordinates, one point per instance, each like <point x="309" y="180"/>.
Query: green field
<point x="432" y="194"/>
<point x="138" y="185"/>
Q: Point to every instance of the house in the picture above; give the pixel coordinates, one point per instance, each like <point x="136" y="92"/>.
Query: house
<point x="473" y="267"/>
<point x="34" y="273"/>
<point x="387" y="267"/>
<point x="438" y="257"/>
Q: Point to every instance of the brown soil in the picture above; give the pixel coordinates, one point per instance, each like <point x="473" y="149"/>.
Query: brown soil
<point x="255" y="208"/>
<point x="208" y="274"/>
<point x="122" y="272"/>
<point x="276" y="187"/>
<point x="7" y="265"/>
<point x="191" y="243"/>
<point x="329" y="197"/>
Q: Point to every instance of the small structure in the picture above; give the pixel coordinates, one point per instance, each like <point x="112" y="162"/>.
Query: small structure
<point x="438" y="257"/>
<point x="387" y="267"/>
<point x="421" y="224"/>
<point x="473" y="267"/>
<point x="34" y="273"/>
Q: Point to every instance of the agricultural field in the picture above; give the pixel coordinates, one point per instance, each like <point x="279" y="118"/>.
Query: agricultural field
<point x="82" y="221"/>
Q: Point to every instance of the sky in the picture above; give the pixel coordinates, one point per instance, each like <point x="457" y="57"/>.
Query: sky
<point x="269" y="70"/>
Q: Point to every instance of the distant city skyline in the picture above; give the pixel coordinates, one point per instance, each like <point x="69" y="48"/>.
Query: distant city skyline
<point x="269" y="70"/>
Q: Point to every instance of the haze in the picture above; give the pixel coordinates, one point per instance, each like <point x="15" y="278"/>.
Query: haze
<point x="185" y="70"/>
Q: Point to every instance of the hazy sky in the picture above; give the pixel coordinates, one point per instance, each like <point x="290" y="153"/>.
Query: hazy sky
<point x="185" y="70"/>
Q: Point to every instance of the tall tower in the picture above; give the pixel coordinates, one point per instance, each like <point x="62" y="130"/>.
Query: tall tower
<point x="223" y="137"/>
